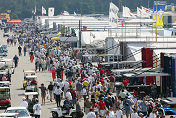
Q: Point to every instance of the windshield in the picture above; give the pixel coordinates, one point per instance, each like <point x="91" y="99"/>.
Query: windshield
<point x="4" y="94"/>
<point x="21" y="112"/>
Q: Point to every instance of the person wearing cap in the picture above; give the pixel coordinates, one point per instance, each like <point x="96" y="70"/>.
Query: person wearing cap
<point x="24" y="103"/>
<point x="87" y="105"/>
<point x="91" y="113"/>
<point x="101" y="106"/>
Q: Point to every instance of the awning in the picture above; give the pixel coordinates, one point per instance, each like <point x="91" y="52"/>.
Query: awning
<point x="145" y="74"/>
<point x="120" y="62"/>
<point x="136" y="70"/>
<point x="14" y="21"/>
<point x="100" y="55"/>
<point x="55" y="39"/>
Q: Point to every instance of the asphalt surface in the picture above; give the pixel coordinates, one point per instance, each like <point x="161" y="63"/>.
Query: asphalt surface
<point x="17" y="92"/>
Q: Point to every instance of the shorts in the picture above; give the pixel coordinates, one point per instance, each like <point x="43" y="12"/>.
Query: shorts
<point x="43" y="94"/>
<point x="102" y="112"/>
<point x="50" y="92"/>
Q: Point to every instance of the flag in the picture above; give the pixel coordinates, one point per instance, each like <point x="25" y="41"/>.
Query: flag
<point x="139" y="12"/>
<point x="75" y="14"/>
<point x="50" y="11"/>
<point x="35" y="10"/>
<point x="113" y="14"/>
<point x="173" y="8"/>
<point x="127" y="13"/>
<point x="65" y="13"/>
<point x="147" y="12"/>
<point x="43" y="11"/>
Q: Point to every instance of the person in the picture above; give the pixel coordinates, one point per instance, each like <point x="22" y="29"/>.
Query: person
<point x="34" y="81"/>
<point x="4" y="78"/>
<point x="24" y="103"/>
<point x="51" y="88"/>
<point x="19" y="50"/>
<point x="78" y="88"/>
<point x="134" y="114"/>
<point x="143" y="107"/>
<point x="15" y="59"/>
<point x="43" y="93"/>
<point x="87" y="105"/>
<point x="57" y="94"/>
<point x="25" y="50"/>
<point x="31" y="56"/>
<point x="119" y="113"/>
<point x="127" y="105"/>
<point x="153" y="114"/>
<point x="101" y="105"/>
<point x="37" y="109"/>
<point x="111" y="113"/>
<point x="78" y="110"/>
<point x="91" y="114"/>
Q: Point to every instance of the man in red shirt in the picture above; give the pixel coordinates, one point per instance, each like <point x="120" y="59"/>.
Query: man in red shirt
<point x="101" y="106"/>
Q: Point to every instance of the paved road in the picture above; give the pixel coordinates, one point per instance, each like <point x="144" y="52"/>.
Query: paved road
<point x="17" y="79"/>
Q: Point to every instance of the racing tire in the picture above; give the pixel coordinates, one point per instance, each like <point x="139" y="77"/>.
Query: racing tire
<point x="74" y="115"/>
<point x="54" y="114"/>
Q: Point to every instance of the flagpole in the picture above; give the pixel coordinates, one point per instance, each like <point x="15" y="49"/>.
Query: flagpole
<point x="156" y="20"/>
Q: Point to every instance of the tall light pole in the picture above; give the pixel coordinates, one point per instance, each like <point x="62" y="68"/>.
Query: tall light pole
<point x="80" y="26"/>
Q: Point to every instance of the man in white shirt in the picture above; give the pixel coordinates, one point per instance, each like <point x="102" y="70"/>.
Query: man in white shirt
<point x="24" y="103"/>
<point x="57" y="94"/>
<point x="91" y="114"/>
<point x="68" y="95"/>
<point x="66" y="87"/>
<point x="37" y="109"/>
<point x="119" y="113"/>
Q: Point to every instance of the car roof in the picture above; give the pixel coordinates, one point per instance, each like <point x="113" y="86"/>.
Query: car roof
<point x="4" y="87"/>
<point x="8" y="114"/>
<point x="30" y="93"/>
<point x="4" y="82"/>
<point x="16" y="108"/>
<point x="31" y="76"/>
<point x="29" y="71"/>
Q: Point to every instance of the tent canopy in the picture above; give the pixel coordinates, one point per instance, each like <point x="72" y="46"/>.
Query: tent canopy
<point x="14" y="21"/>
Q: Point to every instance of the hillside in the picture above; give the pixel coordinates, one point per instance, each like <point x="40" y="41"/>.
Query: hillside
<point x="23" y="8"/>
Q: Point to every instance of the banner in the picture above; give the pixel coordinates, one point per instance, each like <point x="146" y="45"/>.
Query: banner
<point x="50" y="11"/>
<point x="43" y="11"/>
<point x="113" y="15"/>
<point x="158" y="17"/>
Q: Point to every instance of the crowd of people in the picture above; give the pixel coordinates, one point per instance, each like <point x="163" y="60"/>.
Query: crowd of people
<point x="77" y="82"/>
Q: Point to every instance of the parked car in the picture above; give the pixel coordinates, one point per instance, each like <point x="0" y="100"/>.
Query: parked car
<point x="22" y="112"/>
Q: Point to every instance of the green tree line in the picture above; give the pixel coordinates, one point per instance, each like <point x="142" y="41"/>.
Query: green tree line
<point x="23" y="8"/>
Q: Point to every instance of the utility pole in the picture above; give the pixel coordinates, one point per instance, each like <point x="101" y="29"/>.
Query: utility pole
<point x="80" y="29"/>
<point x="120" y="4"/>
